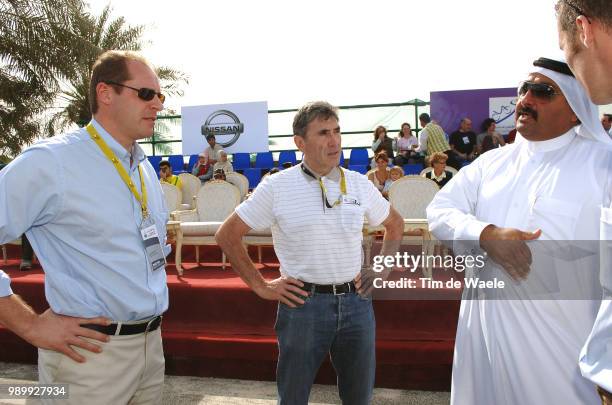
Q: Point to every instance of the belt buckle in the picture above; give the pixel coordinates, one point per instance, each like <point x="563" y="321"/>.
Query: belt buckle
<point x="334" y="289"/>
<point x="149" y="323"/>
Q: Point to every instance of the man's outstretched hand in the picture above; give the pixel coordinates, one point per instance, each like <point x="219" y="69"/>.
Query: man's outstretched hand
<point x="508" y="248"/>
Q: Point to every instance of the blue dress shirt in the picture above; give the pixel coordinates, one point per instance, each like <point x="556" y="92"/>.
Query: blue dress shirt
<point x="83" y="223"/>
<point x="5" y="285"/>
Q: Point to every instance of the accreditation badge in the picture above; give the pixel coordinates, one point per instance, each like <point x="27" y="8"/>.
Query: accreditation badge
<point x="152" y="244"/>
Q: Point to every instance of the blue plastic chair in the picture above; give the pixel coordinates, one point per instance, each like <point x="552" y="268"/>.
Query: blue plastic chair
<point x="253" y="174"/>
<point x="363" y="169"/>
<point x="154" y="160"/>
<point x="178" y="163"/>
<point x="241" y="161"/>
<point x="264" y="160"/>
<point x="342" y="158"/>
<point x="193" y="159"/>
<point x="287" y="156"/>
<point x="359" y="156"/>
<point x="413" y="168"/>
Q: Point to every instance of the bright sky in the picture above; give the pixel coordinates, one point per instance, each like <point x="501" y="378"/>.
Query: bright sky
<point x="345" y="52"/>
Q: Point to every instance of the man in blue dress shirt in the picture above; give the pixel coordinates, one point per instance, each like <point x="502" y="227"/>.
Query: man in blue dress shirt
<point x="92" y="207"/>
<point x="585" y="35"/>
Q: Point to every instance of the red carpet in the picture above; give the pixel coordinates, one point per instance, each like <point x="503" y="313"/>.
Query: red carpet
<point x="217" y="327"/>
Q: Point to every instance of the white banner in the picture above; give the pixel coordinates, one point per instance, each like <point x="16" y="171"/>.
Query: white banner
<point x="239" y="127"/>
<point x="501" y="109"/>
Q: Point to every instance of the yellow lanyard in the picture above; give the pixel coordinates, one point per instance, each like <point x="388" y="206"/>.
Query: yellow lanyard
<point x="324" y="189"/>
<point x="121" y="170"/>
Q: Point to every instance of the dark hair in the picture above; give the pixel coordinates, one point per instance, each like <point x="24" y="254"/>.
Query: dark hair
<point x="401" y="134"/>
<point x="381" y="155"/>
<point x="486" y="124"/>
<point x="209" y="136"/>
<point x="425" y="118"/>
<point x="310" y="112"/>
<point x="111" y="66"/>
<point x="487" y="143"/>
<point x="219" y="172"/>
<point x="608" y="116"/>
<point x="165" y="163"/>
<point x="568" y="10"/>
<point x="378" y="129"/>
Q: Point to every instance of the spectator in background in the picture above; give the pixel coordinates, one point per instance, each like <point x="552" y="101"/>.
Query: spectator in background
<point x="488" y="129"/>
<point x="381" y="174"/>
<point x="432" y="140"/>
<point x="202" y="169"/>
<point x="439" y="174"/>
<point x="463" y="141"/>
<point x="511" y="136"/>
<point x="382" y="143"/>
<point x="488" y="143"/>
<point x="223" y="163"/>
<point x="212" y="151"/>
<point x="395" y="173"/>
<point x="606" y="121"/>
<point x="219" y="174"/>
<point x="403" y="145"/>
<point x="165" y="175"/>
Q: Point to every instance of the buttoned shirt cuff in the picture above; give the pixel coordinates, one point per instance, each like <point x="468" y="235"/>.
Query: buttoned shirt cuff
<point x="5" y="285"/>
<point x="467" y="237"/>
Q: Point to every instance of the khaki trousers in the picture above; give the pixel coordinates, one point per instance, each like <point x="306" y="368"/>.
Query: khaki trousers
<point x="130" y="370"/>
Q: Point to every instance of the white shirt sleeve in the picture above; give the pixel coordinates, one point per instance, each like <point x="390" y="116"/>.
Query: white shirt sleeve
<point x="5" y="285"/>
<point x="377" y="207"/>
<point x="258" y="210"/>
<point x="451" y="214"/>
<point x="422" y="142"/>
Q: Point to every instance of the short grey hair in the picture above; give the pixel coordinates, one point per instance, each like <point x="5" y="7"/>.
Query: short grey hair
<point x="310" y="112"/>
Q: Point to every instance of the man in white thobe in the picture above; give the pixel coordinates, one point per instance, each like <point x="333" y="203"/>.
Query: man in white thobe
<point x="512" y="346"/>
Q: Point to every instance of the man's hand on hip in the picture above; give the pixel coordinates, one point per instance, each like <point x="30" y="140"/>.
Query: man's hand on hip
<point x="58" y="332"/>
<point x="284" y="289"/>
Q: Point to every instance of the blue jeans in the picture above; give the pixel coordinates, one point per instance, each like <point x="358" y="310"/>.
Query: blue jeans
<point x="342" y="325"/>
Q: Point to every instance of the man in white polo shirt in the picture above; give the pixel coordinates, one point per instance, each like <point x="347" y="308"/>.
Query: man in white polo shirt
<point x="316" y="212"/>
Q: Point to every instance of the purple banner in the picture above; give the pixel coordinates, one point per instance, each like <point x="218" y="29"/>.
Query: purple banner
<point x="449" y="107"/>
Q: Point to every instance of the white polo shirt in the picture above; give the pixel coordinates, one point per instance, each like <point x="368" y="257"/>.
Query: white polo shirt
<point x="314" y="243"/>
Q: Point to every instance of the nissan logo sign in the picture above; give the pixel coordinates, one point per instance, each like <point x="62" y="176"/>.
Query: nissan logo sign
<point x="223" y="122"/>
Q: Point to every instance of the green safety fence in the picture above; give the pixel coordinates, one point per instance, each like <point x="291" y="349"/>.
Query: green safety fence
<point x="161" y="143"/>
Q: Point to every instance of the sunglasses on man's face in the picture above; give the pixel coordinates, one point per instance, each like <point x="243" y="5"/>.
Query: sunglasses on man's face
<point x="143" y="93"/>
<point x="542" y="91"/>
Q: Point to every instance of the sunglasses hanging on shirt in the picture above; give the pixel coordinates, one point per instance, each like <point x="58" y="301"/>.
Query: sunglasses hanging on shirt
<point x="144" y="93"/>
<point x="324" y="189"/>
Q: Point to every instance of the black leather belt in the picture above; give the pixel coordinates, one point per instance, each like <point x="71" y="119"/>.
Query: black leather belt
<point x="126" y="328"/>
<point x="336" y="289"/>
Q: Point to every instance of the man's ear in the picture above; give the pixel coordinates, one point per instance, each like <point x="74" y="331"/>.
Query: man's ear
<point x="299" y="142"/>
<point x="104" y="93"/>
<point x="585" y="31"/>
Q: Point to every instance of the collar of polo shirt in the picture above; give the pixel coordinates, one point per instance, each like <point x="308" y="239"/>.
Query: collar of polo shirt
<point x="333" y="175"/>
